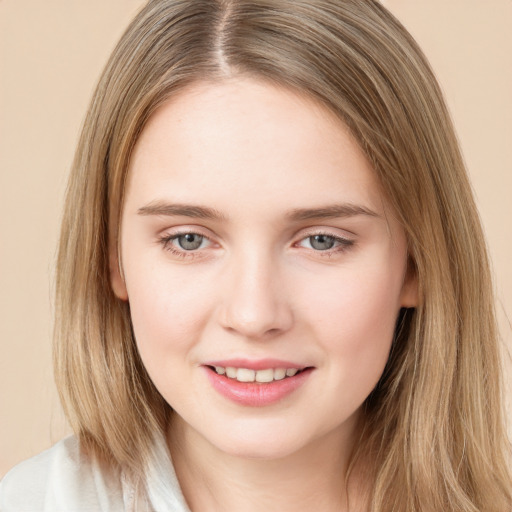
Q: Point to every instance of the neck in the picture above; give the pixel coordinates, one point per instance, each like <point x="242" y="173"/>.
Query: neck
<point x="313" y="478"/>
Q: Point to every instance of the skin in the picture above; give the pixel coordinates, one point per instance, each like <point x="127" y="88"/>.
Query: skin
<point x="258" y="288"/>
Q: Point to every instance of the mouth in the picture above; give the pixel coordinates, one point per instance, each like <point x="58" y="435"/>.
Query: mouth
<point x="263" y="376"/>
<point x="257" y="382"/>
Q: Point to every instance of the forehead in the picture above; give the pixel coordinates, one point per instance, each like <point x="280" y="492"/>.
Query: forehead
<point x="242" y="141"/>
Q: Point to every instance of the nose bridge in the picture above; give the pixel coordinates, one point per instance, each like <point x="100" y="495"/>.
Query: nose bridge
<point x="255" y="302"/>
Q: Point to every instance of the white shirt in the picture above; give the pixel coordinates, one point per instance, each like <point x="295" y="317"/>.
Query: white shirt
<point x="61" y="479"/>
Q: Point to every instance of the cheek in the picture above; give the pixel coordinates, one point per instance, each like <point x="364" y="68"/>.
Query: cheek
<point x="354" y="319"/>
<point x="167" y="311"/>
<point x="168" y="315"/>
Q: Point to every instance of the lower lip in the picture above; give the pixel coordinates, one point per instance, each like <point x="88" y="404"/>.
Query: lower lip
<point x="256" y="394"/>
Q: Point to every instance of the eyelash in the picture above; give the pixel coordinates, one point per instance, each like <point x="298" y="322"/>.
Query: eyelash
<point x="166" y="240"/>
<point x="343" y="244"/>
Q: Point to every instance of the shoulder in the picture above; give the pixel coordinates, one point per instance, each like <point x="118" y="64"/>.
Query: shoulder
<point x="60" y="479"/>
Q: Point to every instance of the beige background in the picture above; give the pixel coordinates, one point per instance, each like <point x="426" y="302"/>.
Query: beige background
<point x="51" y="55"/>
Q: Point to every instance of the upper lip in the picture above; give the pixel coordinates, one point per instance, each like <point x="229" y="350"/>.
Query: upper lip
<point x="255" y="364"/>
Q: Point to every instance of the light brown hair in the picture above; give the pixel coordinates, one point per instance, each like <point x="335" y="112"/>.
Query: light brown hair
<point x="434" y="424"/>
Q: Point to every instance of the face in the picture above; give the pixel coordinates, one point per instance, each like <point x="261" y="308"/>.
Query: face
<point x="263" y="267"/>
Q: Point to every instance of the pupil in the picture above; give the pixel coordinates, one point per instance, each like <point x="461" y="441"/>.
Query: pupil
<point x="190" y="241"/>
<point x="321" y="242"/>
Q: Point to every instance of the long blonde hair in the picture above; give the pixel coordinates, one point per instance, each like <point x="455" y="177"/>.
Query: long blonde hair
<point x="434" y="424"/>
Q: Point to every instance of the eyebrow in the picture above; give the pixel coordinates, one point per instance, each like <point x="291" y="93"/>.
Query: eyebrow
<point x="295" y="215"/>
<point x="183" y="210"/>
<point x="330" y="212"/>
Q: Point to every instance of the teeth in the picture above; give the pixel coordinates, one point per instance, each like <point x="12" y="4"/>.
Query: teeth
<point x="279" y="373"/>
<point x="264" y="375"/>
<point x="247" y="375"/>
<point x="244" y="375"/>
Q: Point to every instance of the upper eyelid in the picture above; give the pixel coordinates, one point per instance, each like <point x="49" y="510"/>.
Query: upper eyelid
<point x="179" y="231"/>
<point x="308" y="231"/>
<point x="334" y="232"/>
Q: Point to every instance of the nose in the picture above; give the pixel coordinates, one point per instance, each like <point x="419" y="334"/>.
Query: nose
<point x="255" y="304"/>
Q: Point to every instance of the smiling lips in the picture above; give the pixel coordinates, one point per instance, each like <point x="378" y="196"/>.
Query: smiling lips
<point x="248" y="375"/>
<point x="263" y="383"/>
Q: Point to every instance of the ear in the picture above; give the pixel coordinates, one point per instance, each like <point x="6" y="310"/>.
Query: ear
<point x="116" y="275"/>
<point x="409" y="294"/>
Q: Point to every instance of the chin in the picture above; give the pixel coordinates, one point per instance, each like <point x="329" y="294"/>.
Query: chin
<point x="262" y="450"/>
<point x="259" y="441"/>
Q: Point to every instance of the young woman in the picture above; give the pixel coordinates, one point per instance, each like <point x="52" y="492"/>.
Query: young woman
<point x="273" y="289"/>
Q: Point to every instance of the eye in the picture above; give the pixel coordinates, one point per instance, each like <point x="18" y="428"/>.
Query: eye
<point x="322" y="242"/>
<point x="184" y="244"/>
<point x="189" y="241"/>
